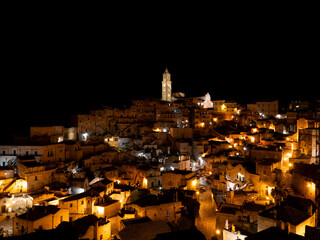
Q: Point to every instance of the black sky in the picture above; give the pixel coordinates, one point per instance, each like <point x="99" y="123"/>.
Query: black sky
<point x="52" y="68"/>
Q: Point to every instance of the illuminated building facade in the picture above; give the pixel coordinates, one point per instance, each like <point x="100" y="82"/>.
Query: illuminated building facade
<point x="166" y="86"/>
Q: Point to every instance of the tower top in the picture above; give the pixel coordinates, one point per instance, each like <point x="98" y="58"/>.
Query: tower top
<point x="166" y="71"/>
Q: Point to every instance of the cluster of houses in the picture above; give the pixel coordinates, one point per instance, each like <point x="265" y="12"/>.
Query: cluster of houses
<point x="139" y="172"/>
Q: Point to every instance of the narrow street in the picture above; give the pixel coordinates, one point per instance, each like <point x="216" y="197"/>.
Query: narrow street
<point x="206" y="221"/>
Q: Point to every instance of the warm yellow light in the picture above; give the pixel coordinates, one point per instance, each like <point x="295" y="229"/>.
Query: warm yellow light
<point x="25" y="185"/>
<point x="145" y="181"/>
<point x="202" y="124"/>
<point x="194" y="182"/>
<point x="272" y="127"/>
<point x="309" y="185"/>
<point x="100" y="210"/>
<point x="223" y="107"/>
<point x="252" y="139"/>
<point x="254" y="130"/>
<point x="217" y="231"/>
<point x="215" y="119"/>
<point x="290" y="165"/>
<point x="197" y="192"/>
<point x="157" y="130"/>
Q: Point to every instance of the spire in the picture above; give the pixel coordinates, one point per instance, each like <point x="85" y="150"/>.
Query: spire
<point x="166" y="71"/>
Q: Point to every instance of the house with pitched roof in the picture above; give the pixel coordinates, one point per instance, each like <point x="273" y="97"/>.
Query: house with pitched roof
<point x="293" y="215"/>
<point x="92" y="228"/>
<point x="39" y="217"/>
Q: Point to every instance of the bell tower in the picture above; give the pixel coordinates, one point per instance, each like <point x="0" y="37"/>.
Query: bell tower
<point x="166" y="86"/>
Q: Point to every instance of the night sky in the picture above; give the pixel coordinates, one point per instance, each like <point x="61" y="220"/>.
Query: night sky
<point x="52" y="69"/>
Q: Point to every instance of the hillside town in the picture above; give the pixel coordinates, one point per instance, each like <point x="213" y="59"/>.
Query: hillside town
<point x="178" y="167"/>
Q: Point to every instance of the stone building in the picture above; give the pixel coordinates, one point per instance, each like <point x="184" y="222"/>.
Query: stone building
<point x="293" y="215"/>
<point x="180" y="179"/>
<point x="80" y="204"/>
<point x="91" y="227"/>
<point x="107" y="209"/>
<point x="267" y="108"/>
<point x="52" y="134"/>
<point x="308" y="143"/>
<point x="158" y="208"/>
<point x="142" y="176"/>
<point x="49" y="154"/>
<point x="39" y="217"/>
<point x="35" y="173"/>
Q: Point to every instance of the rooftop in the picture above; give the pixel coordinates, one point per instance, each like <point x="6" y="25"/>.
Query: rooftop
<point x="107" y="202"/>
<point x="183" y="235"/>
<point x="38" y="212"/>
<point x="252" y="206"/>
<point x="309" y="170"/>
<point x="30" y="163"/>
<point x="128" y="222"/>
<point x="89" y="193"/>
<point x="144" y="230"/>
<point x="82" y="224"/>
<point x="168" y="196"/>
<point x="274" y="233"/>
<point x="229" y="208"/>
